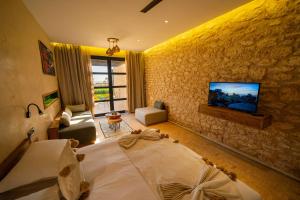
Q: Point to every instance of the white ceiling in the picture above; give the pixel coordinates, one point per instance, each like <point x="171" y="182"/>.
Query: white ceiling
<point x="90" y="22"/>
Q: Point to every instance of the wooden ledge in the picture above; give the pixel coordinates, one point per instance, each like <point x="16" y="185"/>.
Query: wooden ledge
<point x="259" y="122"/>
<point x="13" y="158"/>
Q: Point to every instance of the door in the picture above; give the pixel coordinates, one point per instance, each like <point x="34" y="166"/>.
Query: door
<point x="110" y="84"/>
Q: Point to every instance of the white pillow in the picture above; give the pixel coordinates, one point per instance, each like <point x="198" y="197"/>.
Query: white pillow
<point x="70" y="184"/>
<point x="65" y="119"/>
<point x="76" y="108"/>
<point x="67" y="110"/>
<point x="39" y="161"/>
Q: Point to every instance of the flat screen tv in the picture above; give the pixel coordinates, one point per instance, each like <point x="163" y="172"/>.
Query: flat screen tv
<point x="236" y="96"/>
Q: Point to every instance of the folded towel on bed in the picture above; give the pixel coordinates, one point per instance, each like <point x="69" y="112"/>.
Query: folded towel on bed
<point x="212" y="185"/>
<point x="128" y="141"/>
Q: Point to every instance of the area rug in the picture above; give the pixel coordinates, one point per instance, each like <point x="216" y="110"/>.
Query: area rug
<point x="108" y="132"/>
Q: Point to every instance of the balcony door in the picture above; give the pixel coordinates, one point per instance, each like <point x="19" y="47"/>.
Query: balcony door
<point x="110" y="84"/>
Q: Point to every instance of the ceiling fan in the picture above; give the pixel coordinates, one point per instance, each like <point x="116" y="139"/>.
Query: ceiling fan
<point x="150" y="5"/>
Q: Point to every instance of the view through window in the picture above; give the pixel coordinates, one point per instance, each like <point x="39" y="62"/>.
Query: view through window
<point x="110" y="84"/>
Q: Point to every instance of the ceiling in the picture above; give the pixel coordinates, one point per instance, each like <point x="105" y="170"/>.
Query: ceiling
<point x="90" y="22"/>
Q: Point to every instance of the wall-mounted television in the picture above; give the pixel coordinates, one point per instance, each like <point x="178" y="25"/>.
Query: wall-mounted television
<point x="234" y="95"/>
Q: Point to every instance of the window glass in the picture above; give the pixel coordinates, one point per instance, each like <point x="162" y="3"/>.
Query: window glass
<point x="101" y="94"/>
<point x="118" y="66"/>
<point x="119" y="80"/>
<point x="100" y="80"/>
<point x="102" y="107"/>
<point x="120" y="93"/>
<point x="104" y="70"/>
<point x="99" y="66"/>
<point x="120" y="105"/>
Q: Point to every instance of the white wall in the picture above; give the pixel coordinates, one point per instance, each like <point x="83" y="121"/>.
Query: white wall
<point x="21" y="78"/>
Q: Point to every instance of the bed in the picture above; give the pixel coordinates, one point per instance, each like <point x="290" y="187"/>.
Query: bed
<point x="116" y="173"/>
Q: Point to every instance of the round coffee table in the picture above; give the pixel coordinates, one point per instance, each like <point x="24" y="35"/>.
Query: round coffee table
<point x="114" y="123"/>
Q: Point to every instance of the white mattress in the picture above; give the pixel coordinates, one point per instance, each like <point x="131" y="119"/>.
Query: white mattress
<point x="112" y="175"/>
<point x="115" y="173"/>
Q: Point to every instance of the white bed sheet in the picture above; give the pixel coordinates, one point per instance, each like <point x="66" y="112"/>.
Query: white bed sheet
<point x="115" y="173"/>
<point x="51" y="193"/>
<point x="164" y="161"/>
<point x="112" y="175"/>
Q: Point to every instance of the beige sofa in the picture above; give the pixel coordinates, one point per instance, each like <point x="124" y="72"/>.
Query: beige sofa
<point x="82" y="128"/>
<point x="152" y="115"/>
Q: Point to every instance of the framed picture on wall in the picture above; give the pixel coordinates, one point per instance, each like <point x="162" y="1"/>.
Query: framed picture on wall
<point x="50" y="98"/>
<point x="47" y="59"/>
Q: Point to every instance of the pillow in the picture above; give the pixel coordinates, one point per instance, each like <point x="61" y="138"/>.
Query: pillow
<point x="70" y="179"/>
<point x="159" y="105"/>
<point x="65" y="119"/>
<point x="39" y="161"/>
<point x="67" y="110"/>
<point x="76" y="108"/>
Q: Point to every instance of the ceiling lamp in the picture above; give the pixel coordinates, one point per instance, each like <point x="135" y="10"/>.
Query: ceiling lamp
<point x="115" y="48"/>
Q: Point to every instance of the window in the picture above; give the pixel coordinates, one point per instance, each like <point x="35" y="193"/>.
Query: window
<point x="110" y="84"/>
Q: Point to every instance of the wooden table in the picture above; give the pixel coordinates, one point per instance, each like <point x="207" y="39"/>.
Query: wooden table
<point x="114" y="123"/>
<point x="114" y="120"/>
<point x="111" y="116"/>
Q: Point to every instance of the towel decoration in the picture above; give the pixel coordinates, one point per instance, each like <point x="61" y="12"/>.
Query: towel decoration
<point x="231" y="175"/>
<point x="66" y="170"/>
<point x="80" y="157"/>
<point x="84" y="195"/>
<point x="128" y="141"/>
<point x="84" y="186"/>
<point x="211" y="185"/>
<point x="74" y="143"/>
<point x="136" y="131"/>
<point x="162" y="136"/>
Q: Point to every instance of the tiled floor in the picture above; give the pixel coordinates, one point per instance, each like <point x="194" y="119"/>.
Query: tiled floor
<point x="269" y="183"/>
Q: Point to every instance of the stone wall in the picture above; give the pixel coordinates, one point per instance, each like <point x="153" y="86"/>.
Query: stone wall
<point x="258" y="42"/>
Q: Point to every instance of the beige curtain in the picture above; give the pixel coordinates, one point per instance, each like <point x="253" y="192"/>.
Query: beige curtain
<point x="73" y="66"/>
<point x="135" y="80"/>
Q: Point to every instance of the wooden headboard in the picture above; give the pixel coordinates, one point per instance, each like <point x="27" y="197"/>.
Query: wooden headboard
<point x="13" y="158"/>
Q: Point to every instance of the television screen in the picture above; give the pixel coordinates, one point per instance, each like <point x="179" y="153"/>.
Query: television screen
<point x="237" y="96"/>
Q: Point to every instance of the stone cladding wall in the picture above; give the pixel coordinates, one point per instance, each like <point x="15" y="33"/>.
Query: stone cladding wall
<point x="258" y="42"/>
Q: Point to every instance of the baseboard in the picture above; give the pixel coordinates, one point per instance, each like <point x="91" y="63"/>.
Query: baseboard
<point x="237" y="151"/>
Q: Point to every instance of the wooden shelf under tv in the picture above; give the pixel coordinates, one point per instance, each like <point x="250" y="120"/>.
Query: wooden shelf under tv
<point x="259" y="122"/>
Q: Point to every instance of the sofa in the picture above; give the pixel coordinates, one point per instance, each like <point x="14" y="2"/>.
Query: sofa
<point x="82" y="128"/>
<point x="76" y="124"/>
<point x="152" y="115"/>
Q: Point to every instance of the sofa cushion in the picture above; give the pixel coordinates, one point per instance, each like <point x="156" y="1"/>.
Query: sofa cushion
<point x="159" y="105"/>
<point x="82" y="118"/>
<point x="82" y="128"/>
<point x="84" y="113"/>
<point x="67" y="110"/>
<point x="150" y="115"/>
<point x="65" y="119"/>
<point x="76" y="108"/>
<point x="85" y="133"/>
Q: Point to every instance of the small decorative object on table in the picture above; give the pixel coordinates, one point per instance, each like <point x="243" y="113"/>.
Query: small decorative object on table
<point x="114" y="112"/>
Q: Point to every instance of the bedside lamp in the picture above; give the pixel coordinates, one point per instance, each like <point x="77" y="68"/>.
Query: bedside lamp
<point x="28" y="113"/>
